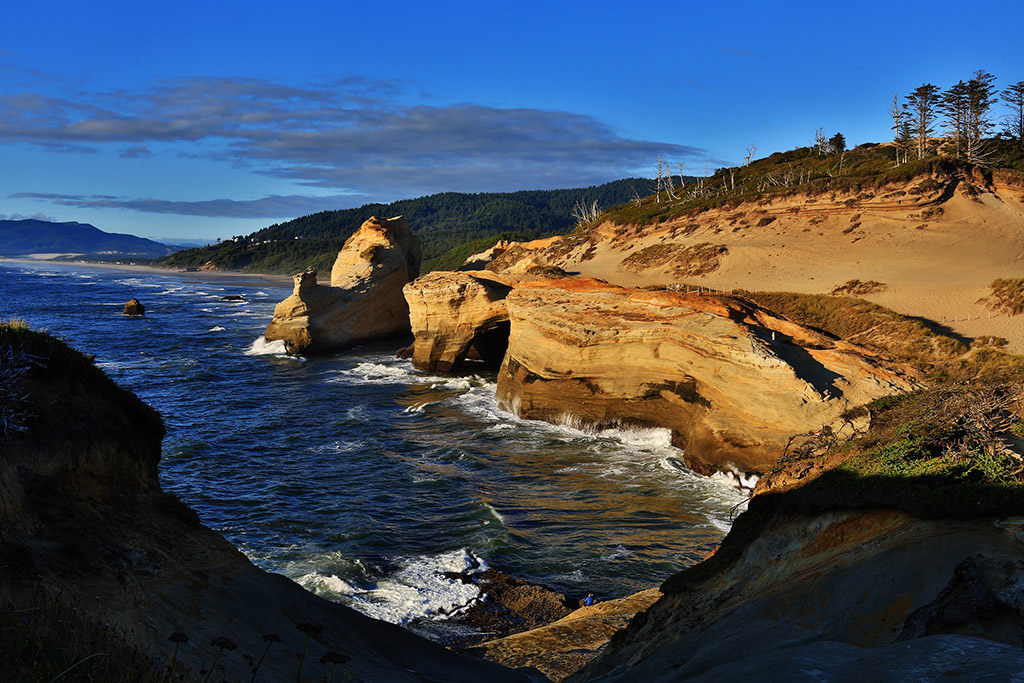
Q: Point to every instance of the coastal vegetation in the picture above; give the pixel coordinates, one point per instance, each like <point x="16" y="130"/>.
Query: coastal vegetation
<point x="449" y="225"/>
<point x="1007" y="296"/>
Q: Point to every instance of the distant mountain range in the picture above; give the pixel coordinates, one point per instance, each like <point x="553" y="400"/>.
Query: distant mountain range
<point x="31" y="236"/>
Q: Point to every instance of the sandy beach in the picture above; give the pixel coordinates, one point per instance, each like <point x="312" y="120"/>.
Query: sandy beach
<point x="195" y="275"/>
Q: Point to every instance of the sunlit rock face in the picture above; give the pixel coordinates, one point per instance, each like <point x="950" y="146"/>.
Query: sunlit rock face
<point x="456" y="315"/>
<point x="732" y="380"/>
<point x="364" y="300"/>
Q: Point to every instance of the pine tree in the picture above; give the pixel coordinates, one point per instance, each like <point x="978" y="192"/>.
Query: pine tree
<point x="921" y="104"/>
<point x="980" y="98"/>
<point x="1013" y="97"/>
<point x="953" y="105"/>
<point x="837" y="143"/>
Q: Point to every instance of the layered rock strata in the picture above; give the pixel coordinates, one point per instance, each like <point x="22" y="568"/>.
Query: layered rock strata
<point x="456" y="314"/>
<point x="731" y="380"/>
<point x="364" y="300"/>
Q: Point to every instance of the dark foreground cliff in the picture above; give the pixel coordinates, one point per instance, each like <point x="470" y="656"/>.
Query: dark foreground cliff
<point x="100" y="568"/>
<point x="898" y="555"/>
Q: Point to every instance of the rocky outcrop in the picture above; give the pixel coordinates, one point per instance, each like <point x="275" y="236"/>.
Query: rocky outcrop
<point x="849" y="594"/>
<point x="504" y="255"/>
<point x="364" y="300"/>
<point x="134" y="307"/>
<point x="456" y="314"/>
<point x="86" y="530"/>
<point x="563" y="647"/>
<point x="733" y="381"/>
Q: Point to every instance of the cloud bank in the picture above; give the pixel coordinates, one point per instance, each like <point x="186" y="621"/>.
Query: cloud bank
<point x="345" y="137"/>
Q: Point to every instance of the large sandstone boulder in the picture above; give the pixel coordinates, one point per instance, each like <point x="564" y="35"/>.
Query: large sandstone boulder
<point x="732" y="380"/>
<point x="454" y="314"/>
<point x="364" y="300"/>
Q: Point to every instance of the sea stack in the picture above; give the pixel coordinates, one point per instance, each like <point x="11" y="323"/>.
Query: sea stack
<point x="364" y="300"/>
<point x="134" y="307"/>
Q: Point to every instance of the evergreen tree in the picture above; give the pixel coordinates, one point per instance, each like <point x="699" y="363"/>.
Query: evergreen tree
<point x="980" y="93"/>
<point x="921" y="105"/>
<point x="837" y="143"/>
<point x="1013" y="97"/>
<point x="953" y="104"/>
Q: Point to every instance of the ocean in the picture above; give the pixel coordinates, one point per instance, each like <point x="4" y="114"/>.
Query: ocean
<point x="359" y="477"/>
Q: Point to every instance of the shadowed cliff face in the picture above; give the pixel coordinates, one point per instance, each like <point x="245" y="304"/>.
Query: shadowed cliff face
<point x="83" y="520"/>
<point x="857" y="595"/>
<point x="732" y="380"/>
<point x="364" y="300"/>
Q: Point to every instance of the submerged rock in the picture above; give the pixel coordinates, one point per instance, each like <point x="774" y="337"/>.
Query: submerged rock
<point x="731" y="380"/>
<point x="364" y="300"/>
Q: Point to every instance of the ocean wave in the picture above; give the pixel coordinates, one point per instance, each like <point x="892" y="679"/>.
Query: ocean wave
<point x="417" y="589"/>
<point x="217" y="328"/>
<point x="261" y="347"/>
<point x="383" y="373"/>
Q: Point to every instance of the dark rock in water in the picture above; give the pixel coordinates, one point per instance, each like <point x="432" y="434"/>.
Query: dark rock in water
<point x="233" y="297"/>
<point x="508" y="605"/>
<point x="404" y="353"/>
<point x="134" y="307"/>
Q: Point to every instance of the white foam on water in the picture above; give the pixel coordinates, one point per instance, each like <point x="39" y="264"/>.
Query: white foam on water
<point x="381" y="373"/>
<point x="261" y="347"/>
<point x="736" y="478"/>
<point x="216" y="328"/>
<point x="417" y="589"/>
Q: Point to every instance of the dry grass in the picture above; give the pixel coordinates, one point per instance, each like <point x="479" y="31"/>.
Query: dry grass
<point x="685" y="261"/>
<point x="43" y="638"/>
<point x="858" y="288"/>
<point x="862" y="322"/>
<point x="1007" y="296"/>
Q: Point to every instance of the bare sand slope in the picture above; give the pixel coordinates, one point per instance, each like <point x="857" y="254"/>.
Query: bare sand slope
<point x="935" y="246"/>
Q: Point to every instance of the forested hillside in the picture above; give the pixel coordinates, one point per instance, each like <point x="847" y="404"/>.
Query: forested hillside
<point x="450" y="225"/>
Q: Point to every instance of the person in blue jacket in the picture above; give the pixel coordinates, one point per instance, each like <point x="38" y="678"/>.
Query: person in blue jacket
<point x="589" y="600"/>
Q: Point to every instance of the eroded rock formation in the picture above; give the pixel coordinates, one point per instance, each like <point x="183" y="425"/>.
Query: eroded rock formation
<point x="732" y="380"/>
<point x="364" y="300"/>
<point x="454" y="314"/>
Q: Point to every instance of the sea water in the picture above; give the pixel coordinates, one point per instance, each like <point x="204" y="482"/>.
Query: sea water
<point x="361" y="478"/>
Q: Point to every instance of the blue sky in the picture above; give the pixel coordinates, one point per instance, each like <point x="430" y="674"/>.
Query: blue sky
<point x="211" y="119"/>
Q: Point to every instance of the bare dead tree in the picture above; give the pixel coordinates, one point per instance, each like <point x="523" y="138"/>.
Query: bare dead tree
<point x="586" y="216"/>
<point x="751" y="151"/>
<point x="821" y="142"/>
<point x="637" y="199"/>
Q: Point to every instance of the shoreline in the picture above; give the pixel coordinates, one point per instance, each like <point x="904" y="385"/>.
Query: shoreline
<point x="204" y="275"/>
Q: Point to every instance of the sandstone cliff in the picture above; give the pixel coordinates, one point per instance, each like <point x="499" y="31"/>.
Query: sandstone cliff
<point x="364" y="300"/>
<point x="732" y="380"/>
<point x="934" y="242"/>
<point x="84" y="524"/>
<point x="454" y="314"/>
